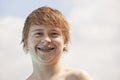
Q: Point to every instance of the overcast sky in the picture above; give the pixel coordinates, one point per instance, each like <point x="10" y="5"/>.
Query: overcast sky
<point x="95" y="37"/>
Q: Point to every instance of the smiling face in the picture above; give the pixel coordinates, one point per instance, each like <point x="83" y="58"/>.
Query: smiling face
<point x="45" y="43"/>
<point x="45" y="16"/>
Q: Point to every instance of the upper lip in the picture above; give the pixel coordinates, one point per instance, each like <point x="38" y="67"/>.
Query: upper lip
<point x="45" y="48"/>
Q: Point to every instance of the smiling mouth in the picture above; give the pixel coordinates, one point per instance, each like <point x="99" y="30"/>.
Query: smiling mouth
<point x="46" y="49"/>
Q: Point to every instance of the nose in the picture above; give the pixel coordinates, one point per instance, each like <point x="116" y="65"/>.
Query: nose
<point x="45" y="40"/>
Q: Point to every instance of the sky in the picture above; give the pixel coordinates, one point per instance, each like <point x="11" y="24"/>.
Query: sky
<point x="95" y="37"/>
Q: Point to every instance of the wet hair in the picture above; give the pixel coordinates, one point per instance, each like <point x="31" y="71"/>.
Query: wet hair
<point x="46" y="16"/>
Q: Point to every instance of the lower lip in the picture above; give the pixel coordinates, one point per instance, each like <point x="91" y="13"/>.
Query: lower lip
<point x="46" y="51"/>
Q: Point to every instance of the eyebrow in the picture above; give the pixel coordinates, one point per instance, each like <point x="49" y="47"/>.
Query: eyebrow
<point x="43" y="29"/>
<point x="55" y="30"/>
<point x="37" y="30"/>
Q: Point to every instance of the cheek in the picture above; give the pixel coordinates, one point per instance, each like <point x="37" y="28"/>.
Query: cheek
<point x="32" y="42"/>
<point x="59" y="42"/>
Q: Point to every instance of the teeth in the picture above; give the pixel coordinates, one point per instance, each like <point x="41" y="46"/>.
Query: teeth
<point x="46" y="48"/>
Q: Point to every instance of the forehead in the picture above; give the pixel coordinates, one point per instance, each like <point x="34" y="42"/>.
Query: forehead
<point x="43" y="27"/>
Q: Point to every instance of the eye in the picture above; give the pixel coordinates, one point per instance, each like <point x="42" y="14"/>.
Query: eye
<point x="38" y="34"/>
<point x="54" y="34"/>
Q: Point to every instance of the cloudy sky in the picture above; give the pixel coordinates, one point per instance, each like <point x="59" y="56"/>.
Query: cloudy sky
<point x="95" y="37"/>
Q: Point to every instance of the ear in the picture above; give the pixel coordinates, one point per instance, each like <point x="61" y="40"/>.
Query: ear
<point x="26" y="46"/>
<point x="65" y="47"/>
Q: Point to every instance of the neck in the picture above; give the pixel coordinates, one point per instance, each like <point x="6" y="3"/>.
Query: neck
<point x="44" y="72"/>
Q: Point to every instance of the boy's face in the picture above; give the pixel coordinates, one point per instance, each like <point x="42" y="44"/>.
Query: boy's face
<point x="45" y="43"/>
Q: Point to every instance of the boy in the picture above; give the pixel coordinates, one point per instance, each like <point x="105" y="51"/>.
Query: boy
<point x="46" y="36"/>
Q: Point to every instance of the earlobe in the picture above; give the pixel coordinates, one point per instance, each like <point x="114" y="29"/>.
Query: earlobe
<point x="65" y="47"/>
<point x="26" y="47"/>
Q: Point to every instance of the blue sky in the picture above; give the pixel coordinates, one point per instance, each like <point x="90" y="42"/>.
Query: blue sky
<point x="95" y="37"/>
<point x="22" y="7"/>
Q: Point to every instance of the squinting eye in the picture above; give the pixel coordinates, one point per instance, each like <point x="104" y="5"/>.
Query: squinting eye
<point x="38" y="34"/>
<point x="54" y="34"/>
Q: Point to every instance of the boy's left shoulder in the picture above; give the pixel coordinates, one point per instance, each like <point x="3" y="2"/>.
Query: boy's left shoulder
<point x="78" y="75"/>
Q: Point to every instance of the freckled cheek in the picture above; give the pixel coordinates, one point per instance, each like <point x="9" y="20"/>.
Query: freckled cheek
<point x="58" y="41"/>
<point x="34" y="41"/>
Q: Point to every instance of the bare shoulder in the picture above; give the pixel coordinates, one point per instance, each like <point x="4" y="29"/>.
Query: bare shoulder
<point x="77" y="75"/>
<point x="30" y="77"/>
